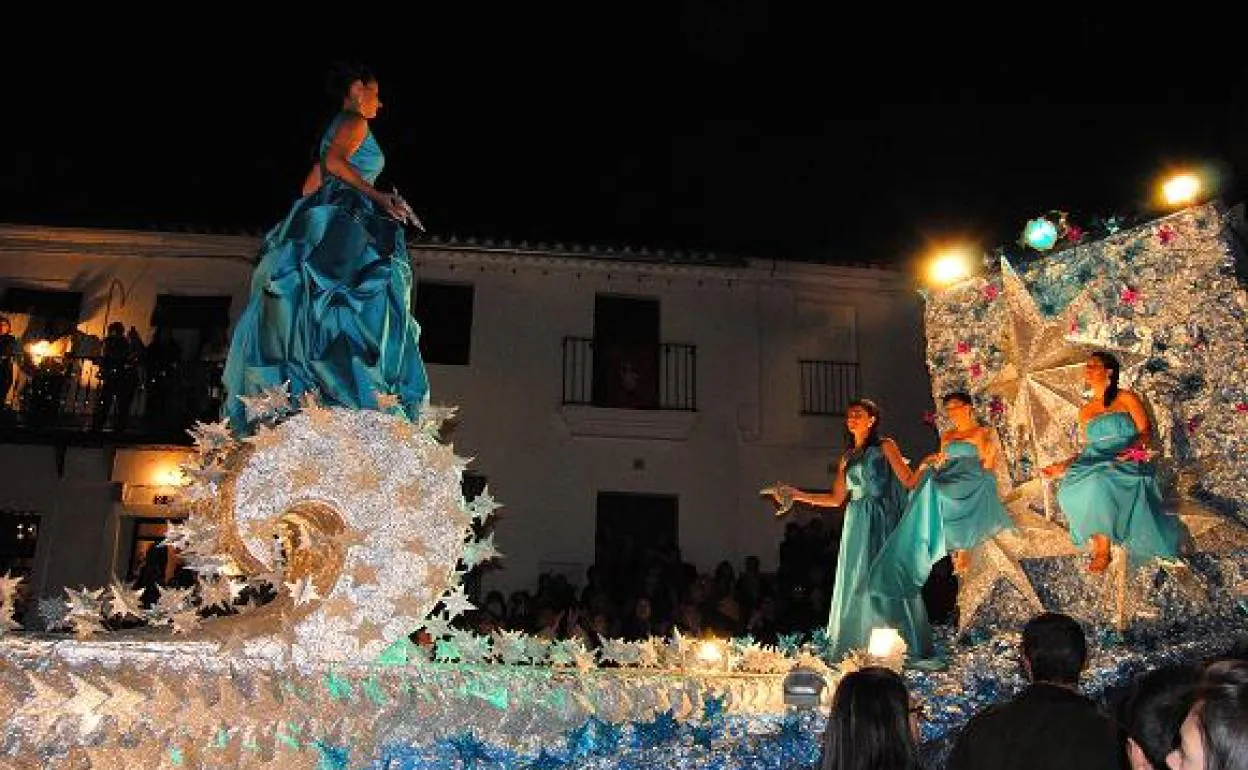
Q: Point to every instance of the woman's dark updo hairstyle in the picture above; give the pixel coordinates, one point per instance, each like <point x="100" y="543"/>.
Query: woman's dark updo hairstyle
<point x="342" y="74"/>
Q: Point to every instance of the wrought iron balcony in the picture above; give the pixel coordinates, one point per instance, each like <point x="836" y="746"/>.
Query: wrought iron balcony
<point x="69" y="399"/>
<point x="630" y="375"/>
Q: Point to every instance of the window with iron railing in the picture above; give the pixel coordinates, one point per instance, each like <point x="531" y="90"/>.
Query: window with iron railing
<point x="630" y="375"/>
<point x="827" y="386"/>
<point x="129" y="399"/>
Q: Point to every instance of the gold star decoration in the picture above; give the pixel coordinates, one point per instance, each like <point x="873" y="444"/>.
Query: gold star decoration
<point x="365" y="480"/>
<point x="404" y="430"/>
<point x="416" y="547"/>
<point x="1043" y="379"/>
<point x="435" y="577"/>
<point x="409" y="606"/>
<point x="363" y="574"/>
<point x="339" y="607"/>
<point x="410" y="495"/>
<point x="387" y="401"/>
<point x="264" y="438"/>
<point x="366" y="632"/>
<point x="305" y="475"/>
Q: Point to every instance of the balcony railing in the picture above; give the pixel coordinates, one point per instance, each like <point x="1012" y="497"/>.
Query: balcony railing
<point x="827" y="386"/>
<point x="628" y="375"/>
<point x="61" y="397"/>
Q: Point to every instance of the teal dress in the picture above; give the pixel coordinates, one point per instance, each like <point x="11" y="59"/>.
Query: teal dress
<point x="876" y="499"/>
<point x="955" y="507"/>
<point x="1101" y="494"/>
<point x="330" y="307"/>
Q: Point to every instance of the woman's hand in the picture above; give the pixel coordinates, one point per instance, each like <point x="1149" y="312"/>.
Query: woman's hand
<point x="783" y="495"/>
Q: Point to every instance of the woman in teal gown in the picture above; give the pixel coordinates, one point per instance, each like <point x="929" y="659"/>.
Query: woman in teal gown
<point x="954" y="507"/>
<point x="330" y="308"/>
<point x="870" y="482"/>
<point x="1109" y="491"/>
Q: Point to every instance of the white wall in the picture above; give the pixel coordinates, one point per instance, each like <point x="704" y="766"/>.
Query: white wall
<point x="751" y="323"/>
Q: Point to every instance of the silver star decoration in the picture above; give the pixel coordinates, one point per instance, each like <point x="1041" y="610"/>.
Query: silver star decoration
<point x="480" y="552"/>
<point x="7" y="623"/>
<point x="211" y="436"/>
<point x="206" y="475"/>
<point x="185" y="621"/>
<point x="649" y="653"/>
<point x="172" y="600"/>
<point x="219" y="592"/>
<point x="456" y="602"/>
<point x="124" y="602"/>
<point x="302" y="591"/>
<point x="8" y="587"/>
<point x="51" y="612"/>
<point x="472" y="648"/>
<point x="437" y="625"/>
<point x="84" y="601"/>
<point x="620" y="651"/>
<point x="509" y="646"/>
<point x="483" y="506"/>
<point x="84" y="625"/>
<point x="536" y="648"/>
<point x="432" y="417"/>
<point x="268" y="403"/>
<point x="566" y="652"/>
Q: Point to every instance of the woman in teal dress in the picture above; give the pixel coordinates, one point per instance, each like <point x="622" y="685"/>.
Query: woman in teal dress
<point x="1109" y="491"/>
<point x="330" y="308"/>
<point x="953" y="508"/>
<point x="871" y="476"/>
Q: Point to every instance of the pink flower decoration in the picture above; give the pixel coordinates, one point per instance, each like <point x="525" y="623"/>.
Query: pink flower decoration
<point x="1129" y="296"/>
<point x="1166" y="234"/>
<point x="1242" y="406"/>
<point x="1074" y="233"/>
<point x="996" y="406"/>
<point x="1193" y="424"/>
<point x="1074" y="325"/>
<point x="991" y="291"/>
<point x="976" y="370"/>
<point x="1135" y="454"/>
<point x="963" y="348"/>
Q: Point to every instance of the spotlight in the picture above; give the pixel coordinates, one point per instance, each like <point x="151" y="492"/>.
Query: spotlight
<point x="1181" y="189"/>
<point x="948" y="268"/>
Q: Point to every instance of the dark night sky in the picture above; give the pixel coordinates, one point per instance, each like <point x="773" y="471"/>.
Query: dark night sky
<point x="741" y="127"/>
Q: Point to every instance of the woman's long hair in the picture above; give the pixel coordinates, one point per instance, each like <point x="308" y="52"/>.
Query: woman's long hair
<point x="869" y="727"/>
<point x="1221" y="706"/>
<point x="853" y="452"/>
<point x="1110" y="363"/>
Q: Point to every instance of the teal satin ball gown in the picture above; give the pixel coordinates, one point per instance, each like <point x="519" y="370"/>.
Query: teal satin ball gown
<point x="955" y="507"/>
<point x="1101" y="494"/>
<point x="330" y="306"/>
<point x="876" y="500"/>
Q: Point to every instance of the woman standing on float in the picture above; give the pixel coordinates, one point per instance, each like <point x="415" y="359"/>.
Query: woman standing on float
<point x="330" y="308"/>
<point x="871" y="480"/>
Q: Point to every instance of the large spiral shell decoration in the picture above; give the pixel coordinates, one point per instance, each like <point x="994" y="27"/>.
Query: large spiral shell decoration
<point x="356" y="517"/>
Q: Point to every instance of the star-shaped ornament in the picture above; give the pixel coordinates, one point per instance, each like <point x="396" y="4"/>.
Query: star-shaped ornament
<point x="366" y="633"/>
<point x="1043" y="379"/>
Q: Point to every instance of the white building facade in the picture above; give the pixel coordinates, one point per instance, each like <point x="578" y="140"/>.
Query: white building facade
<point x="608" y="398"/>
